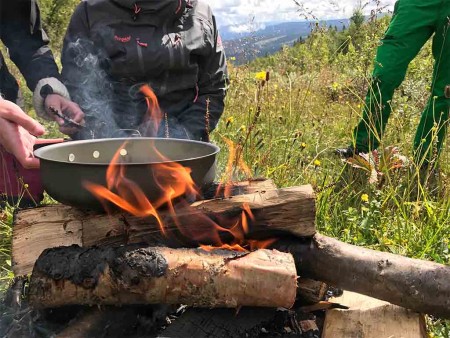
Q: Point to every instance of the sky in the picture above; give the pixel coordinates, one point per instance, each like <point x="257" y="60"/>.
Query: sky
<point x="248" y="15"/>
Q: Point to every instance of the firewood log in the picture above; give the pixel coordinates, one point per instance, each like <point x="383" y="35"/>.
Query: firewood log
<point x="291" y="210"/>
<point x="415" y="284"/>
<point x="142" y="275"/>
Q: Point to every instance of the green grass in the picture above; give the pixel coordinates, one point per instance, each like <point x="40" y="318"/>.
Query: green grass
<point x="5" y="248"/>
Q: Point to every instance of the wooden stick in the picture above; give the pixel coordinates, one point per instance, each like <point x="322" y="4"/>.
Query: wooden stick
<point x="142" y="275"/>
<point x="415" y="284"/>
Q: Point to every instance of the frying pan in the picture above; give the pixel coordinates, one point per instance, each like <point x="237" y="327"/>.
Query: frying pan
<point x="65" y="166"/>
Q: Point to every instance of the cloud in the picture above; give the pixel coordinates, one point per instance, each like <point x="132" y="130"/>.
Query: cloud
<point x="252" y="14"/>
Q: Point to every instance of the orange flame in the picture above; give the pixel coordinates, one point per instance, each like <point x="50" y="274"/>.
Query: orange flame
<point x="155" y="115"/>
<point x="175" y="183"/>
<point x="235" y="163"/>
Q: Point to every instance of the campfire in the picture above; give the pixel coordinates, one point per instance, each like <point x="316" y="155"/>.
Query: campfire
<point x="209" y="245"/>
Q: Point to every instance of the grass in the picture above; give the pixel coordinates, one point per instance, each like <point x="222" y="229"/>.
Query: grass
<point x="288" y="127"/>
<point x="5" y="248"/>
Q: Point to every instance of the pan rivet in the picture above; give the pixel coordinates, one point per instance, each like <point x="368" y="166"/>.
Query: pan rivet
<point x="71" y="157"/>
<point x="96" y="154"/>
<point x="123" y="152"/>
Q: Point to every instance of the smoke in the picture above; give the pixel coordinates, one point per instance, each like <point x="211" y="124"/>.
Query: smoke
<point x="113" y="108"/>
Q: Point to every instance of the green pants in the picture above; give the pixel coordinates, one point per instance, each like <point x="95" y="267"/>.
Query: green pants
<point x="413" y="23"/>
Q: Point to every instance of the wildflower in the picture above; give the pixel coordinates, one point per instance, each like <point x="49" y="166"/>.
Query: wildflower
<point x="303" y="146"/>
<point x="232" y="58"/>
<point x="317" y="163"/>
<point x="242" y="128"/>
<point x="261" y="76"/>
<point x="229" y="121"/>
<point x="365" y="198"/>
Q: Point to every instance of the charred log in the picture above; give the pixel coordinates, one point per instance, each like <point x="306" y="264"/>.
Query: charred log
<point x="142" y="275"/>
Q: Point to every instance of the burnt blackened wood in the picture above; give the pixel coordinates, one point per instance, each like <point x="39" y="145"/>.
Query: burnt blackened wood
<point x="142" y="275"/>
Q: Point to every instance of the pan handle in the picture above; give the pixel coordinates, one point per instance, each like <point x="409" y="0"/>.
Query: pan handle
<point x="129" y="132"/>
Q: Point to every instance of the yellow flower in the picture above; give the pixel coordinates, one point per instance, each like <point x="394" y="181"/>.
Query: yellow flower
<point x="303" y="146"/>
<point x="261" y="76"/>
<point x="232" y="58"/>
<point x="317" y="163"/>
<point x="243" y="128"/>
<point x="26" y="185"/>
<point x="365" y="198"/>
<point x="229" y="121"/>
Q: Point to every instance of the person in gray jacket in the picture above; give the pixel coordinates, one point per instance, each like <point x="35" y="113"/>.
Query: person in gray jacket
<point x="114" y="47"/>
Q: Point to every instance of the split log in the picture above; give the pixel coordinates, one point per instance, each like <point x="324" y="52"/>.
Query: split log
<point x="142" y="275"/>
<point x="290" y="209"/>
<point x="372" y="318"/>
<point x="415" y="284"/>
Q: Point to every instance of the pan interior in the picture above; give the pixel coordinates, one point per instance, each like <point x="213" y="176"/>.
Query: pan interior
<point x="130" y="151"/>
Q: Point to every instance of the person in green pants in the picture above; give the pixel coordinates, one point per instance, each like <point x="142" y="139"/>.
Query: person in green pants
<point x="413" y="23"/>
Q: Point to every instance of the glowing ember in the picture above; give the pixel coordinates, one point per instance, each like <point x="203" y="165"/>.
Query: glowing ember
<point x="176" y="185"/>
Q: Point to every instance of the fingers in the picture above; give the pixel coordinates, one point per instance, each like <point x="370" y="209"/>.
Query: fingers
<point x="66" y="107"/>
<point x="48" y="140"/>
<point x="75" y="112"/>
<point x="19" y="142"/>
<point x="13" y="113"/>
<point x="29" y="162"/>
<point x="61" y="104"/>
<point x="68" y="130"/>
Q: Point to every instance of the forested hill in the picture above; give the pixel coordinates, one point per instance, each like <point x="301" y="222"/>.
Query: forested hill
<point x="248" y="46"/>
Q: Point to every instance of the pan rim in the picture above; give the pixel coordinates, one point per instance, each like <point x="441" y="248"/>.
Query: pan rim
<point x="38" y="152"/>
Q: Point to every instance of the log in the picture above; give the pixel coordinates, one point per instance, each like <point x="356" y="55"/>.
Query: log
<point x="415" y="284"/>
<point x="141" y="275"/>
<point x="372" y="318"/>
<point x="290" y="209"/>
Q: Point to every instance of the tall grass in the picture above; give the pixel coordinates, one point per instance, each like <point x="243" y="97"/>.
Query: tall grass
<point x="290" y="125"/>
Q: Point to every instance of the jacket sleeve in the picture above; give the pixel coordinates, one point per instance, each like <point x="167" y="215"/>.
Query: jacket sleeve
<point x="204" y="114"/>
<point x="27" y="41"/>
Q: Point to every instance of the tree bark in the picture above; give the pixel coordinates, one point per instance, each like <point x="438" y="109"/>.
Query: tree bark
<point x="291" y="210"/>
<point x="143" y="275"/>
<point x="415" y="284"/>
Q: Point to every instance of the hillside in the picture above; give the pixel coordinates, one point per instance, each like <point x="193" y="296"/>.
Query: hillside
<point x="248" y="46"/>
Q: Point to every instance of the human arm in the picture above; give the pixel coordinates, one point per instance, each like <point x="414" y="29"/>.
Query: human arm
<point x="18" y="133"/>
<point x="28" y="48"/>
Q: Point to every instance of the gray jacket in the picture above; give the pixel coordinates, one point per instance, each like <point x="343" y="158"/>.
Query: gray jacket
<point x="113" y="47"/>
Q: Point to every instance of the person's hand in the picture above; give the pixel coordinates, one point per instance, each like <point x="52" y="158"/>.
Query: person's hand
<point x="66" y="107"/>
<point x="18" y="133"/>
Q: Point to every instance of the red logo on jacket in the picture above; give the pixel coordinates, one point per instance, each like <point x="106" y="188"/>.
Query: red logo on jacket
<point x="122" y="39"/>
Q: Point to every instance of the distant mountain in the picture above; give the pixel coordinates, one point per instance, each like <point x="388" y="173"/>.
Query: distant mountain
<point x="248" y="46"/>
